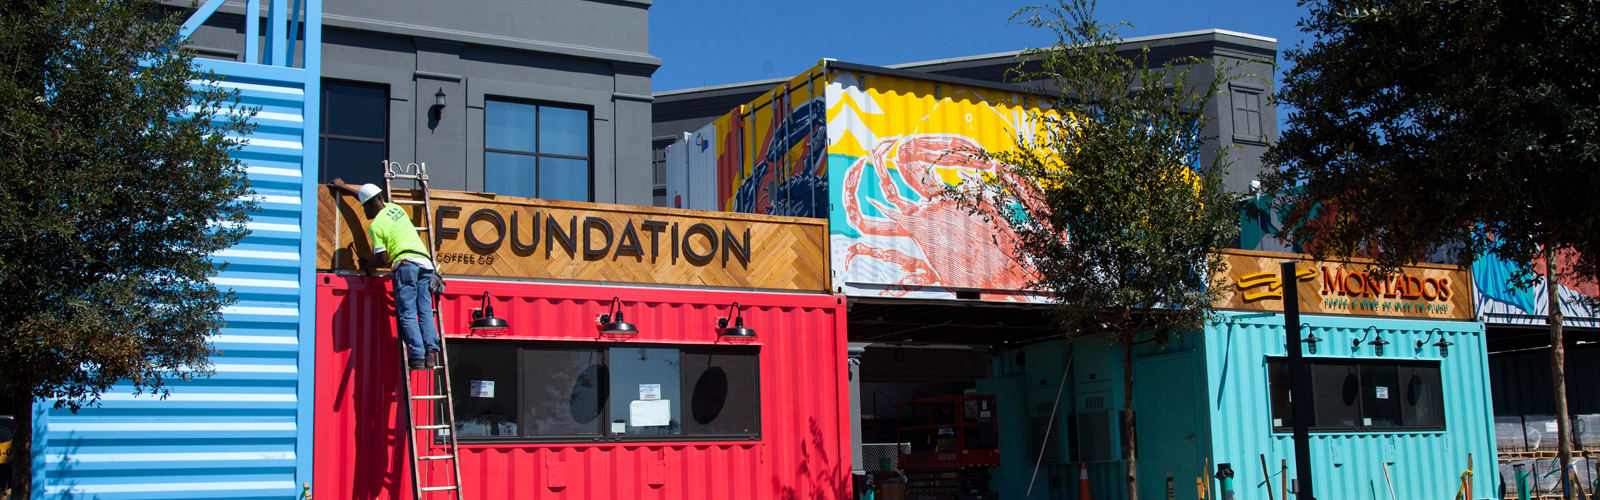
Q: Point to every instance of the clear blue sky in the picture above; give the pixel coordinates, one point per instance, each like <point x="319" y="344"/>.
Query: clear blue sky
<point x="712" y="42"/>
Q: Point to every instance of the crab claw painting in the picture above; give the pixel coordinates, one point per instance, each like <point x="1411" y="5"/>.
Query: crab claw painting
<point x="875" y="154"/>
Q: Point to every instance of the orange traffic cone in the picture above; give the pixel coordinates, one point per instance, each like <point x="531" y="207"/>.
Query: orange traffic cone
<point x="1083" y="481"/>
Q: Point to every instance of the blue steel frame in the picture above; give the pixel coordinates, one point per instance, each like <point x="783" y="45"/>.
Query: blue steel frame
<point x="290" y="197"/>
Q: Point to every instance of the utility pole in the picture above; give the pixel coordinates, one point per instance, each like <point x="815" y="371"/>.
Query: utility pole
<point x="1299" y="381"/>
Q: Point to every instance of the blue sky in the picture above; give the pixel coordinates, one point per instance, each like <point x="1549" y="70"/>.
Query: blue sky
<point x="712" y="42"/>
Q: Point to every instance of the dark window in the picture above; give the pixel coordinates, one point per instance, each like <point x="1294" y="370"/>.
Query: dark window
<point x="645" y="394"/>
<point x="512" y="390"/>
<point x="485" y="386"/>
<point x="1361" y="395"/>
<point x="564" y="392"/>
<point x="536" y="151"/>
<point x="722" y="389"/>
<point x="1421" y="401"/>
<point x="1246" y="115"/>
<point x="355" y="132"/>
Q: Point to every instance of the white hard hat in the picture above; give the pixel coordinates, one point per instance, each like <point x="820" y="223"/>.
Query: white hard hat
<point x="367" y="191"/>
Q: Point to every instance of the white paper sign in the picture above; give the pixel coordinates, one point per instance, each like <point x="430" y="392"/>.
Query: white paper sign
<point x="619" y="427"/>
<point x="1383" y="392"/>
<point x="649" y="392"/>
<point x="650" y="413"/>
<point x="483" y="388"/>
<point x="1551" y="427"/>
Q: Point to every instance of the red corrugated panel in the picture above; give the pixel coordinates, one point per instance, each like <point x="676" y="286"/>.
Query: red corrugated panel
<point x="803" y="452"/>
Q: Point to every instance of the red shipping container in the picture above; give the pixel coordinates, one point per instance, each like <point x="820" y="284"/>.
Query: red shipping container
<point x="804" y="409"/>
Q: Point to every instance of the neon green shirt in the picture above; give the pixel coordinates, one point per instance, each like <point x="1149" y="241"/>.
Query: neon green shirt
<point x="391" y="231"/>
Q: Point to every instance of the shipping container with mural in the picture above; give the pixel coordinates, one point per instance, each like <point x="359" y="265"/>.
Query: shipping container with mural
<point x="873" y="150"/>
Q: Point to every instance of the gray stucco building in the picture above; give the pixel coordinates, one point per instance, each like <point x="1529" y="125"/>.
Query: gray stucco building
<point x="544" y="98"/>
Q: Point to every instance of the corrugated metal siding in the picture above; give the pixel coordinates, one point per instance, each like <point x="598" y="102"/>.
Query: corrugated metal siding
<point x="803" y="396"/>
<point x="236" y="434"/>
<point x="905" y="241"/>
<point x="1348" y="465"/>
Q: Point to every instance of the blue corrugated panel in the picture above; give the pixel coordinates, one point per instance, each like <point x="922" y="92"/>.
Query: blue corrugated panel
<point x="1350" y="464"/>
<point x="246" y="431"/>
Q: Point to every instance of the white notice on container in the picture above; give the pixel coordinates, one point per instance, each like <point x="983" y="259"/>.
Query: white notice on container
<point x="1383" y="392"/>
<point x="650" y="413"/>
<point x="649" y="392"/>
<point x="1551" y="427"/>
<point x="483" y="388"/>
<point x="619" y="427"/>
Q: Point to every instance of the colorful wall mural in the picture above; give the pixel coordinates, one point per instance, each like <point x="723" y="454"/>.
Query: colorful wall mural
<point x="894" y="145"/>
<point x="1500" y="303"/>
<point x="873" y="153"/>
<point x="785" y="130"/>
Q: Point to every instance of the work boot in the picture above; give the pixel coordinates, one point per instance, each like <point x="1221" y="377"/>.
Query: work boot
<point x="418" y="364"/>
<point x="432" y="359"/>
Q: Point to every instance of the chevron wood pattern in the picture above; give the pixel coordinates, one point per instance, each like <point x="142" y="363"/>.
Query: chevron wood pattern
<point x="507" y="237"/>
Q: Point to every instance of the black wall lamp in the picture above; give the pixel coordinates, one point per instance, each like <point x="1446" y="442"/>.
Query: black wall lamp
<point x="483" y="317"/>
<point x="1311" y="338"/>
<point x="1442" y="344"/>
<point x="438" y="104"/>
<point x="1377" y="342"/>
<point x="611" y="322"/>
<point x="737" y="331"/>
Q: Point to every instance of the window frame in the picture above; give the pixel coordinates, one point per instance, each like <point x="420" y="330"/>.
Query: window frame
<point x="322" y="122"/>
<point x="1360" y="402"/>
<point x="1260" y="114"/>
<point x="538" y="139"/>
<point x="604" y="418"/>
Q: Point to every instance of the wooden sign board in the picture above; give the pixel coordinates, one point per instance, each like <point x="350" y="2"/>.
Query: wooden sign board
<point x="1428" y="291"/>
<point x="482" y="234"/>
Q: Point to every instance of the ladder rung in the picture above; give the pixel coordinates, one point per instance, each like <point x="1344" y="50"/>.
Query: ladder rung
<point x="406" y="202"/>
<point x="437" y="488"/>
<point x="413" y="177"/>
<point x="436" y="457"/>
<point x="441" y="426"/>
<point x="424" y="229"/>
<point x="433" y="396"/>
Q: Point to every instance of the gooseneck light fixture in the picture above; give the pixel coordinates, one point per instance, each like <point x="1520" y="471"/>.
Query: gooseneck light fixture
<point x="1355" y="344"/>
<point x="483" y="317"/>
<point x="737" y="331"/>
<point x="1377" y="345"/>
<point x="1311" y="338"/>
<point x="611" y="322"/>
<point x="1442" y="344"/>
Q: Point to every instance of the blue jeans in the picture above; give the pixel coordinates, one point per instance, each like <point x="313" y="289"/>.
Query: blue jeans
<point x="411" y="302"/>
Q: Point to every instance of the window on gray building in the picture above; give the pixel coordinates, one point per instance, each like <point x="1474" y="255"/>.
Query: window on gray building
<point x="1247" y="115"/>
<point x="536" y="151"/>
<point x="355" y="132"/>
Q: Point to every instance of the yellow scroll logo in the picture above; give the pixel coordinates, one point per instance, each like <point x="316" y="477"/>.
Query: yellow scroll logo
<point x="1273" y="285"/>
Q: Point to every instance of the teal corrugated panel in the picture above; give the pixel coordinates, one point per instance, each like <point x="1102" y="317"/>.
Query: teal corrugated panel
<point x="1351" y="464"/>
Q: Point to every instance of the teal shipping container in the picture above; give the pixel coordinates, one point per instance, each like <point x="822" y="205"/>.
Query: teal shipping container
<point x="1400" y="395"/>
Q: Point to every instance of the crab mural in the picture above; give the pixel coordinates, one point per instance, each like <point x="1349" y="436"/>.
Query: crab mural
<point x="949" y="246"/>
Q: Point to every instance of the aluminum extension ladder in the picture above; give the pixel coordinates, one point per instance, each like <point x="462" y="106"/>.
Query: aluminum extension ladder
<point x="434" y="387"/>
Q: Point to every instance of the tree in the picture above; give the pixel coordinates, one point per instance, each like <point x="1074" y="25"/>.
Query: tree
<point x="1117" y="215"/>
<point x="1472" y="126"/>
<point x="116" y="186"/>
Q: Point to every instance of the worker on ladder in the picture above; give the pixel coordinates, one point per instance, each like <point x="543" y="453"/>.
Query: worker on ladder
<point x="394" y="240"/>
